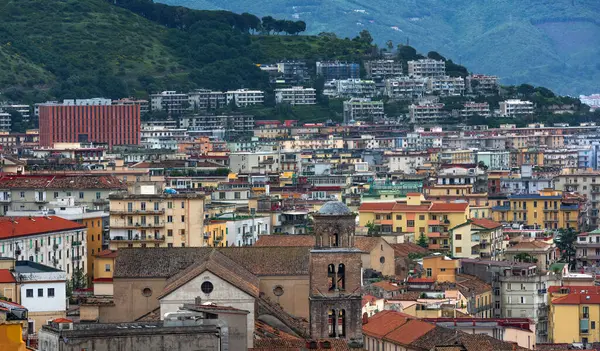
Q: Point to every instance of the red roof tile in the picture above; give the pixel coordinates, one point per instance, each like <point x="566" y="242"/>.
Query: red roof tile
<point x="387" y="286"/>
<point x="384" y="322"/>
<point x="421" y="280"/>
<point x="376" y="206"/>
<point x="575" y="289"/>
<point x="485" y="223"/>
<point x="577" y="299"/>
<point x="23" y="226"/>
<point x="62" y="320"/>
<point x="452" y="207"/>
<point x="103" y="280"/>
<point x="401" y="207"/>
<point x="107" y="254"/>
<point x="285" y="240"/>
<point x="6" y="276"/>
<point x="409" y="332"/>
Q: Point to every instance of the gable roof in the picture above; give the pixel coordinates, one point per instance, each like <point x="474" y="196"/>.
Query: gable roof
<point x="485" y="223"/>
<point x="403" y="250"/>
<point x="448" y="207"/>
<point x="220" y="265"/>
<point x="384" y="322"/>
<point x="409" y="332"/>
<point x="577" y="299"/>
<point x="11" y="227"/>
<point x="530" y="245"/>
<point x="285" y="240"/>
<point x="107" y="253"/>
<point x="377" y="206"/>
<point x="6" y="276"/>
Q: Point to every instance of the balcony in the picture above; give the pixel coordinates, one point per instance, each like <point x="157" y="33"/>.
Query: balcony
<point x="100" y="202"/>
<point x="76" y="243"/>
<point x="137" y="212"/>
<point x="5" y="198"/>
<point x="39" y="200"/>
<point x="548" y="209"/>
<point x="76" y="258"/>
<point x="296" y="222"/>
<point x="206" y="236"/>
<point x="137" y="225"/>
<point x="151" y="238"/>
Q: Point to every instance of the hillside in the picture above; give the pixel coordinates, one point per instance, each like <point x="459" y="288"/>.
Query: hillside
<point x="55" y="49"/>
<point x="549" y="43"/>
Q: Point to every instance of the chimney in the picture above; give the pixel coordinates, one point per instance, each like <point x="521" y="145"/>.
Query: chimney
<point x="198" y="301"/>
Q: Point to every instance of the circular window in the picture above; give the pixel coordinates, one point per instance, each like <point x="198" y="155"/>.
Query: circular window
<point x="278" y="291"/>
<point x="382" y="259"/>
<point x="207" y="287"/>
<point x="147" y="292"/>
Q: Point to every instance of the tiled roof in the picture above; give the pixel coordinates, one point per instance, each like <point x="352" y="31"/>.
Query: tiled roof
<point x="486" y="223"/>
<point x="409" y="332"/>
<point x="165" y="262"/>
<point x="6" y="276"/>
<point x="402" y="250"/>
<point x="286" y="240"/>
<point x="368" y="299"/>
<point x="367" y="243"/>
<point x="577" y="299"/>
<point x="440" y="336"/>
<point x="575" y="289"/>
<point x="376" y="206"/>
<point x="530" y="245"/>
<point x="220" y="265"/>
<point x="421" y="280"/>
<point x="450" y="207"/>
<point x="384" y="322"/>
<point x="107" y="254"/>
<point x="468" y="284"/>
<point x="399" y="207"/>
<point x="62" y="320"/>
<point x="23" y="226"/>
<point x="61" y="182"/>
<point x="300" y="345"/>
<point x="387" y="286"/>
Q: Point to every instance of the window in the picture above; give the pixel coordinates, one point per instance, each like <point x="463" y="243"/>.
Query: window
<point x="170" y="204"/>
<point x="207" y="287"/>
<point x="147" y="292"/>
<point x="382" y="260"/>
<point x="458" y="249"/>
<point x="98" y="195"/>
<point x="458" y="236"/>
<point x="593" y="325"/>
<point x="410" y="223"/>
<point x="421" y="217"/>
<point x="169" y="232"/>
<point x="40" y="292"/>
<point x="278" y="290"/>
<point x="22" y="194"/>
<point x="170" y="245"/>
<point x="107" y="267"/>
<point x="169" y="219"/>
<point x="429" y="272"/>
<point x="523" y="299"/>
<point x="143" y="206"/>
<point x="50" y="292"/>
<point x="56" y="194"/>
<point x="156" y="208"/>
<point x="29" y="293"/>
<point x="398" y="217"/>
<point x="182" y="219"/>
<point x="81" y="194"/>
<point x="442" y="269"/>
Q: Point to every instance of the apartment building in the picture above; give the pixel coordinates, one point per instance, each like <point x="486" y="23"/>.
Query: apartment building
<point x="406" y="162"/>
<point x="446" y="85"/>
<point x="482" y="85"/>
<point x="174" y="103"/>
<point x="296" y="96"/>
<point x="359" y="109"/>
<point x="574" y="315"/>
<point x="337" y="70"/>
<point x="545" y="210"/>
<point x="162" y="138"/>
<point x="587" y="249"/>
<point x="416" y="215"/>
<point x="254" y="162"/>
<point x="24" y="110"/>
<point x="426" y="68"/>
<point x="474" y="108"/>
<point x="245" y="97"/>
<point x="542" y="253"/>
<point x="5" y="121"/>
<point x="292" y="72"/>
<point x="378" y="69"/>
<point x="352" y="87"/>
<point x="148" y="218"/>
<point x="143" y="104"/>
<point x="36" y="192"/>
<point x="49" y="240"/>
<point x="405" y="88"/>
<point x="422" y="141"/>
<point x="515" y="108"/>
<point x="494" y="160"/>
<point x="204" y="99"/>
<point x="236" y="122"/>
<point x="426" y="113"/>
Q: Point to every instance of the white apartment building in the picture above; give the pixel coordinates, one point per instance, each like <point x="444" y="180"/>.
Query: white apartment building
<point x="254" y="162"/>
<point x="406" y="162"/>
<point x="296" y="96"/>
<point x="383" y="68"/>
<point x="352" y="87"/>
<point x="244" y="230"/>
<point x="422" y="141"/>
<point x="357" y="109"/>
<point x="204" y="99"/>
<point x="515" y="107"/>
<point x="162" y="138"/>
<point x="475" y="108"/>
<point x="426" y="68"/>
<point x="427" y="113"/>
<point x="5" y="122"/>
<point x="50" y="240"/>
<point x="240" y="123"/>
<point x="482" y="84"/>
<point x="405" y="87"/>
<point x="495" y="160"/>
<point x="43" y="291"/>
<point x="24" y="110"/>
<point x="171" y="101"/>
<point x="446" y="85"/>
<point x="245" y="97"/>
<point x="143" y="104"/>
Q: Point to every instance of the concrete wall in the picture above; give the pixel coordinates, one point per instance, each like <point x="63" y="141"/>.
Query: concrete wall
<point x="39" y="319"/>
<point x="130" y="303"/>
<point x="223" y="293"/>
<point x="44" y="303"/>
<point x="295" y="293"/>
<point x="10" y="291"/>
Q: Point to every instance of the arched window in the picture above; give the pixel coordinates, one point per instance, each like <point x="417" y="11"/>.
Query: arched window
<point x="331" y="318"/>
<point x="341" y="323"/>
<point x="341" y="277"/>
<point x="335" y="240"/>
<point x="331" y="277"/>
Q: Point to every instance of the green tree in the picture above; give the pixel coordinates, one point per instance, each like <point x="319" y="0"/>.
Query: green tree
<point x="423" y="242"/>
<point x="365" y="36"/>
<point x="372" y="229"/>
<point x="525" y="257"/>
<point x="565" y="240"/>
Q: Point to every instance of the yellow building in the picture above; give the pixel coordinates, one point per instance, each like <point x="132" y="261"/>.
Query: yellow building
<point x="478" y="238"/>
<point x="544" y="210"/>
<point x="104" y="267"/>
<point x="11" y="334"/>
<point x="441" y="268"/>
<point x="95" y="230"/>
<point x="574" y="316"/>
<point x="457" y="156"/>
<point x="156" y="220"/>
<point x="416" y="215"/>
<point x="215" y="233"/>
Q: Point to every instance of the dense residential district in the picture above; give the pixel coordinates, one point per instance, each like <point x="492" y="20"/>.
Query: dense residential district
<point x="222" y="231"/>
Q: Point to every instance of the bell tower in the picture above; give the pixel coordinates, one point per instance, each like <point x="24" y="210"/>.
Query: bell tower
<point x="335" y="276"/>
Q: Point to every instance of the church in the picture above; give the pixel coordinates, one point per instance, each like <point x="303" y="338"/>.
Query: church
<point x="310" y="292"/>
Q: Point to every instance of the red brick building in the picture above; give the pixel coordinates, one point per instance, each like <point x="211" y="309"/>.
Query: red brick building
<point x="110" y="124"/>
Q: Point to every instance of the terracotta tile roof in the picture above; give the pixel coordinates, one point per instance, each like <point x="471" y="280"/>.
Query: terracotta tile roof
<point x="220" y="265"/>
<point x="368" y="299"/>
<point x="6" y="276"/>
<point x="107" y="254"/>
<point x="551" y="347"/>
<point x="61" y="182"/>
<point x="410" y="208"/>
<point x="409" y="332"/>
<point x="440" y="336"/>
<point x="300" y="345"/>
<point x="402" y="250"/>
<point x="166" y="262"/>
<point x="387" y="286"/>
<point x="286" y="240"/>
<point x="367" y="243"/>
<point x="577" y="299"/>
<point x="530" y="245"/>
<point x="575" y="289"/>
<point x="407" y="296"/>
<point x="383" y="323"/>
<point x="62" y="320"/>
<point x="263" y="331"/>
<point x="376" y="206"/>
<point x="468" y="284"/>
<point x="485" y="223"/>
<point x="24" y="226"/>
<point x="448" y="207"/>
<point x="421" y="280"/>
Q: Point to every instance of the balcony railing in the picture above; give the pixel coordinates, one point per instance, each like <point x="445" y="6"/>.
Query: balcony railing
<point x="76" y="243"/>
<point x="137" y="212"/>
<point x="76" y="258"/>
